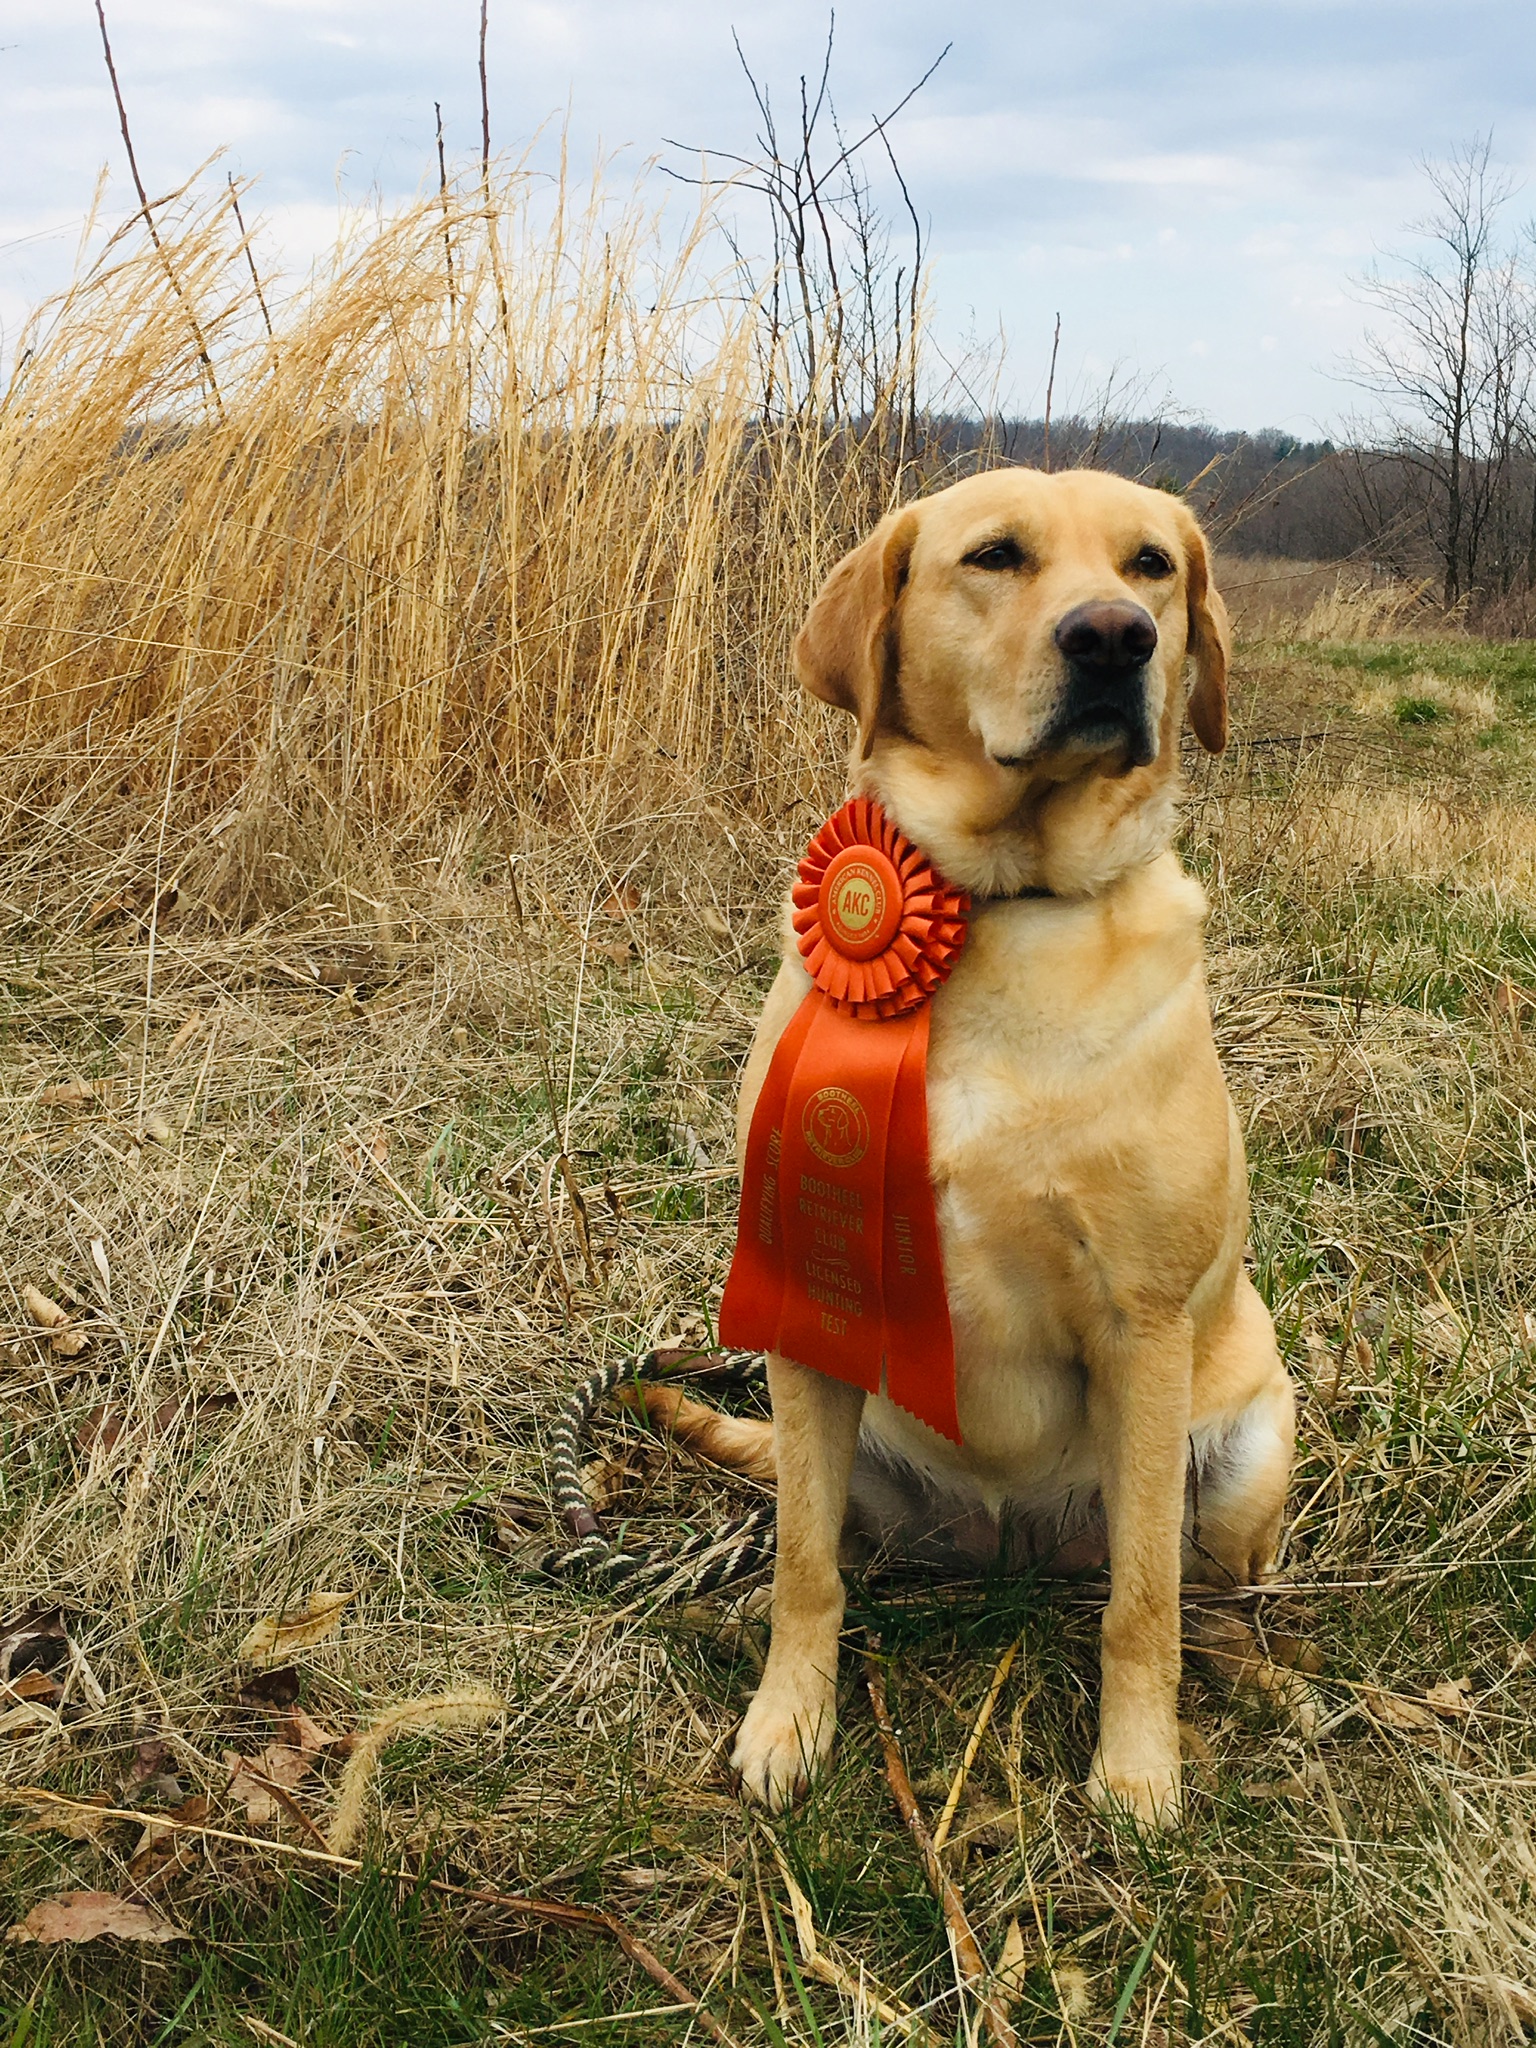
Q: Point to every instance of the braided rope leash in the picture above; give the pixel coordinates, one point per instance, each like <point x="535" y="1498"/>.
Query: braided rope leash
<point x="651" y="1574"/>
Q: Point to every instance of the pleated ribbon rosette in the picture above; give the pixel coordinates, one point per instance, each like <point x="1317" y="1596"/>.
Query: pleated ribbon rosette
<point x="837" y="1261"/>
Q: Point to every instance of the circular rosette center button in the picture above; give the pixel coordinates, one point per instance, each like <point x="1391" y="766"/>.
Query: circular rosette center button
<point x="860" y="901"/>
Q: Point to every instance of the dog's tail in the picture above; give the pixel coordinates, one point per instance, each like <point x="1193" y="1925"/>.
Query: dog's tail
<point x="736" y="1442"/>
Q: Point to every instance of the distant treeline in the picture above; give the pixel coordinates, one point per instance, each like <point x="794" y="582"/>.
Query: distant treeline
<point x="1267" y="493"/>
<point x="1263" y="494"/>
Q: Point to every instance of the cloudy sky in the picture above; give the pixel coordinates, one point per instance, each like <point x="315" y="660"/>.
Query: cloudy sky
<point x="1191" y="184"/>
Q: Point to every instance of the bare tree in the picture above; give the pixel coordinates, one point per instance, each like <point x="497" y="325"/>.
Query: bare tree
<point x="841" y="304"/>
<point x="1454" y="369"/>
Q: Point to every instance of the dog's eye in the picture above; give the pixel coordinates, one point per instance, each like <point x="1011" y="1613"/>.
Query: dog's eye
<point x="997" y="554"/>
<point x="1150" y="561"/>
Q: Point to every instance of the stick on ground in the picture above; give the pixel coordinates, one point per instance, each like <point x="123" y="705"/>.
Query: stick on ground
<point x="979" y="1729"/>
<point x="962" y="1939"/>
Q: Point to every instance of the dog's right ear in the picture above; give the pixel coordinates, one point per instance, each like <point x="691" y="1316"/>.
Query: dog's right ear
<point x="846" y="652"/>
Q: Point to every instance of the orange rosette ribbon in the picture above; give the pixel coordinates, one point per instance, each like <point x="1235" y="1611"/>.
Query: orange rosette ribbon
<point x="837" y="1261"/>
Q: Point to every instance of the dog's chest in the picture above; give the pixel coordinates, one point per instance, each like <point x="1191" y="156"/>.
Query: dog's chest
<point x="1072" y="1094"/>
<point x="1055" y="1040"/>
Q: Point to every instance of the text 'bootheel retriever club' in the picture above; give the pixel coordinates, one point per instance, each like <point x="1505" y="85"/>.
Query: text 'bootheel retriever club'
<point x="837" y="1261"/>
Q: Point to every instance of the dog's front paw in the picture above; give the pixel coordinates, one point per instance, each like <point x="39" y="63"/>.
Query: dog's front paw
<point x="1149" y="1794"/>
<point x="786" y="1734"/>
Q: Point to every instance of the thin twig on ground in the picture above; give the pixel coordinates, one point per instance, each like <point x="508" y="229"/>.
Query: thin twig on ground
<point x="962" y="1938"/>
<point x="978" y="1730"/>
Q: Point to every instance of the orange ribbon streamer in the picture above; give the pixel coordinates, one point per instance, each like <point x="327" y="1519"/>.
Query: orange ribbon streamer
<point x="837" y="1261"/>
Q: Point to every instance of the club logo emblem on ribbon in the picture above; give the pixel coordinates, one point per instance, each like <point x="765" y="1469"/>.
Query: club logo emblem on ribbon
<point x="835" y="1127"/>
<point x="837" y="1260"/>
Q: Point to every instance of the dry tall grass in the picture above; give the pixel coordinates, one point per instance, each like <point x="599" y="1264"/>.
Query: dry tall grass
<point x="495" y="516"/>
<point x="1325" y="601"/>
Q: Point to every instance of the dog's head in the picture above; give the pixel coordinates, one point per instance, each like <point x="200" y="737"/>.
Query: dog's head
<point x="1014" y="650"/>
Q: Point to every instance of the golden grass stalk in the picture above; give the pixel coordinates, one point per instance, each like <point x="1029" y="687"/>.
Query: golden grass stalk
<point x="469" y="1709"/>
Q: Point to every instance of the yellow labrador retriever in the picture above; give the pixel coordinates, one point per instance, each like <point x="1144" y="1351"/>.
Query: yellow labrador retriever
<point x="1014" y="650"/>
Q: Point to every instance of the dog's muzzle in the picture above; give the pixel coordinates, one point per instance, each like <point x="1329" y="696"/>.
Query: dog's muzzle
<point x="1106" y="647"/>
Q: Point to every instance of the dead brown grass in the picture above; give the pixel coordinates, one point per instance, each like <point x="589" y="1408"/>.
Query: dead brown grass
<point x="1274" y="598"/>
<point x="492" y="521"/>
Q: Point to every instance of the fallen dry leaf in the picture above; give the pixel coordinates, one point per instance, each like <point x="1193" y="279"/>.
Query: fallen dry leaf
<point x="606" y="1481"/>
<point x="354" y="973"/>
<point x="1296" y="1654"/>
<point x="272" y="1688"/>
<point x="513" y="1518"/>
<point x="1292" y="1787"/>
<point x="371" y="1150"/>
<point x="44" y="1311"/>
<point x="1012" y="1966"/>
<point x="260" y="1806"/>
<point x="32" y="1685"/>
<point x="103" y="1427"/>
<point x="63" y="1338"/>
<point x="86" y="1916"/>
<point x="107" y="908"/>
<point x="139" y="901"/>
<point x="252" y="1778"/>
<point x="32" y="1639"/>
<point x="1393" y="1711"/>
<point x="149" y="1759"/>
<point x="185" y="1035"/>
<point x="1441" y="1332"/>
<point x="298" y="1628"/>
<point x="1451" y="1698"/>
<point x="30" y="1714"/>
<point x="161" y="1852"/>
<point x="1226" y="1641"/>
<point x="621" y="952"/>
<point x="1193" y="1746"/>
<point x="219" y="1283"/>
<point x="283" y="1765"/>
<point x="623" y="902"/>
<point x="305" y="1735"/>
<point x="67" y="1094"/>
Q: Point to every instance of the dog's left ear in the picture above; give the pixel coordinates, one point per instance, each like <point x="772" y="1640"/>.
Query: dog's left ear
<point x="846" y="652"/>
<point x="1209" y="644"/>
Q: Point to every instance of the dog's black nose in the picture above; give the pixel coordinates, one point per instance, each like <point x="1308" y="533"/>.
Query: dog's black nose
<point x="1107" y="636"/>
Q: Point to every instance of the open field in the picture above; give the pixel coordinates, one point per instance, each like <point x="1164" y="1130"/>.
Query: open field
<point x="340" y="1292"/>
<point x="377" y="835"/>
